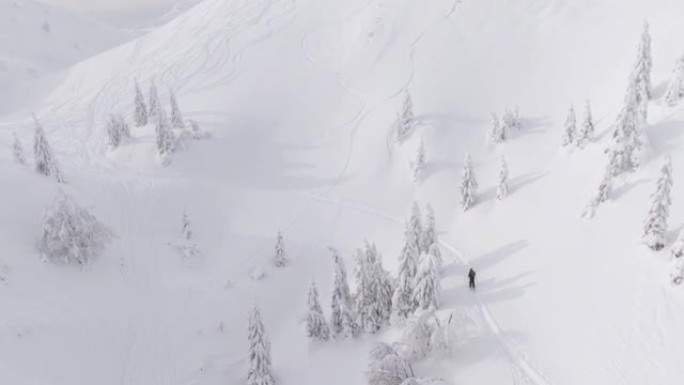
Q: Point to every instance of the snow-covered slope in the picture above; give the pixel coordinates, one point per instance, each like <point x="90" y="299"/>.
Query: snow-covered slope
<point x="300" y="97"/>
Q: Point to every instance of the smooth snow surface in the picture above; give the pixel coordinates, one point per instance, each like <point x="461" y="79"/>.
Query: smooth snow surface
<point x="300" y="98"/>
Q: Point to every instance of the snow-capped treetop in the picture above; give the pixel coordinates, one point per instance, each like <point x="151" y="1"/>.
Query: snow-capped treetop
<point x="675" y="89"/>
<point x="570" y="129"/>
<point x="405" y="118"/>
<point x="316" y="327"/>
<point x="656" y="221"/>
<point x="45" y="161"/>
<point x="628" y="138"/>
<point x="280" y="258"/>
<point x="497" y="132"/>
<point x="468" y="187"/>
<point x="260" y="371"/>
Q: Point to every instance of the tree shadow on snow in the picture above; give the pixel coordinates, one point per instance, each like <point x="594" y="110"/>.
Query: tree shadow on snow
<point x="665" y="136"/>
<point x="627" y="187"/>
<point x="514" y="185"/>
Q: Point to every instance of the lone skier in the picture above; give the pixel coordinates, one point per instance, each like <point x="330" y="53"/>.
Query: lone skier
<point x="471" y="279"/>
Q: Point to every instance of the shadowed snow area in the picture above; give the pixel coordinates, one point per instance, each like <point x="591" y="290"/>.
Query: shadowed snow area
<point x="300" y="98"/>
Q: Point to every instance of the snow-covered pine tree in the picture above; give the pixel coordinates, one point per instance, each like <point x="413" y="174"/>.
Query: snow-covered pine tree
<point x="429" y="236"/>
<point x="641" y="73"/>
<point x="140" y="113"/>
<point x="176" y="116"/>
<point x="416" y="227"/>
<point x="405" y="122"/>
<point x="70" y="233"/>
<point x="45" y="161"/>
<point x="260" y="371"/>
<point x="341" y="272"/>
<point x="570" y="128"/>
<point x="164" y="136"/>
<point x="387" y="367"/>
<point x="18" y="150"/>
<point x="586" y="130"/>
<point x="341" y="320"/>
<point x="428" y="287"/>
<point x="416" y="340"/>
<point x="675" y="89"/>
<point x="117" y="129"/>
<point x="384" y="292"/>
<point x="677" y="249"/>
<point x="603" y="191"/>
<point x="656" y="221"/>
<point x="366" y="298"/>
<point x="497" y="133"/>
<point x="502" y="188"/>
<point x="316" y="326"/>
<point x="436" y="254"/>
<point x="468" y="186"/>
<point x="186" y="230"/>
<point x="280" y="257"/>
<point x="511" y="121"/>
<point x="628" y="138"/>
<point x="402" y="298"/>
<point x="154" y="107"/>
<point x="419" y="163"/>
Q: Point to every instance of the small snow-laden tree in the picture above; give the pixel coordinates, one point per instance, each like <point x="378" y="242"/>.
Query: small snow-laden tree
<point x="570" y="128"/>
<point x="405" y="121"/>
<point x="675" y="89"/>
<point x="18" y="150"/>
<point x="117" y="130"/>
<point x="586" y="131"/>
<point x="603" y="193"/>
<point x="387" y="367"/>
<point x="341" y="272"/>
<point x="677" y="249"/>
<point x="677" y="271"/>
<point x="511" y="121"/>
<point x="260" y="371"/>
<point x="70" y="233"/>
<point x="176" y="116"/>
<point x="468" y="186"/>
<point x="154" y="107"/>
<point x="140" y="113"/>
<point x="656" y="222"/>
<point x="385" y="291"/>
<point x="280" y="257"/>
<point x="186" y="229"/>
<point x="416" y="341"/>
<point x="45" y="161"/>
<point x="368" y="317"/>
<point x="502" y="188"/>
<point x="164" y="136"/>
<point x="316" y="326"/>
<point x="428" y="288"/>
<point x="415" y="227"/>
<point x="429" y="237"/>
<point x="497" y="132"/>
<point x="628" y="138"/>
<point x="419" y="163"/>
<point x="402" y="298"/>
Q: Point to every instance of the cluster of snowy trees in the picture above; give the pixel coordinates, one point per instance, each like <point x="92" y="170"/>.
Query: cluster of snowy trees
<point x="45" y="162"/>
<point x="502" y="131"/>
<point x="574" y="136"/>
<point x="468" y="187"/>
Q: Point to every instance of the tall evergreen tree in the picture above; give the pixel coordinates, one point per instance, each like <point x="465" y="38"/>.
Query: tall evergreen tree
<point x="428" y="288"/>
<point x="628" y="138"/>
<point x="502" y="188"/>
<point x="656" y="221"/>
<point x="604" y="190"/>
<point x="341" y="320"/>
<point x="402" y="298"/>
<point x="186" y="230"/>
<point x="429" y="237"/>
<point x="117" y="130"/>
<point x="341" y="272"/>
<point x="416" y="226"/>
<point x="140" y="113"/>
<point x="316" y="327"/>
<point x="176" y="116"/>
<point x="155" y="107"/>
<point x="405" y="119"/>
<point x="586" y="131"/>
<point x="468" y="186"/>
<point x="570" y="128"/>
<point x="497" y="132"/>
<point x="18" y="150"/>
<point x="675" y="89"/>
<point x="260" y="371"/>
<point x="641" y="73"/>
<point x="164" y="135"/>
<point x="366" y="291"/>
<point x="419" y="163"/>
<point x="45" y="161"/>
<point x="280" y="258"/>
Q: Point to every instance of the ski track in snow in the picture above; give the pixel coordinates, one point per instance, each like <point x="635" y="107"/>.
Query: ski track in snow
<point x="521" y="364"/>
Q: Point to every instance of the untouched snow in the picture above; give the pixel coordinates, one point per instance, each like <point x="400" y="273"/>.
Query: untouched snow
<point x="300" y="97"/>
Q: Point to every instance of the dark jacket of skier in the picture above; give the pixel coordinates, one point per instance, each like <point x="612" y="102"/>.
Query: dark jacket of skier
<point x="471" y="278"/>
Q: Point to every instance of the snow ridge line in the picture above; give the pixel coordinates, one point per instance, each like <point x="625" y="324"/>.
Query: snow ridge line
<point x="514" y="355"/>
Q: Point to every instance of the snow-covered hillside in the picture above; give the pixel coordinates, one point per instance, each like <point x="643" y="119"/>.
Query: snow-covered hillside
<point x="299" y="99"/>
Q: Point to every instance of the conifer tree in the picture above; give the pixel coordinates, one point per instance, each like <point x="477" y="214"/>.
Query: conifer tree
<point x="341" y="320"/>
<point x="604" y="191"/>
<point x="155" y="107"/>
<point x="368" y="319"/>
<point x="586" y="131"/>
<point x="570" y="128"/>
<point x="402" y="298"/>
<point x="468" y="186"/>
<point x="260" y="371"/>
<point x="497" y="132"/>
<point x="280" y="258"/>
<point x="186" y="230"/>
<point x="429" y="237"/>
<point x="176" y="116"/>
<point x="416" y="227"/>
<point x="164" y="136"/>
<point x="677" y="250"/>
<point x="117" y="130"/>
<point x="405" y="119"/>
<point x="45" y="161"/>
<point x="18" y="151"/>
<point x="656" y="221"/>
<point x="341" y="272"/>
<point x="419" y="164"/>
<point x="140" y="113"/>
<point x="428" y="288"/>
<point x="316" y="327"/>
<point x="628" y="138"/>
<point x="641" y="74"/>
<point x="675" y="89"/>
<point x="502" y="188"/>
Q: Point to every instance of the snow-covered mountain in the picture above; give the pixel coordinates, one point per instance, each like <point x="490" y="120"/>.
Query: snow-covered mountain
<point x="299" y="102"/>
